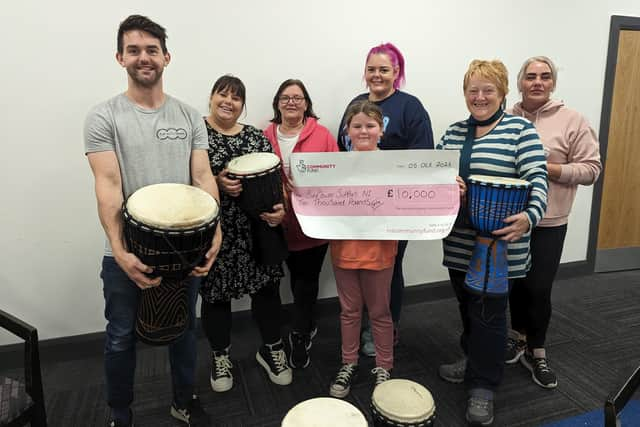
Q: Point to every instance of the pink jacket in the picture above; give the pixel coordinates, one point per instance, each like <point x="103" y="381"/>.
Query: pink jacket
<point x="314" y="138"/>
<point x="571" y="142"/>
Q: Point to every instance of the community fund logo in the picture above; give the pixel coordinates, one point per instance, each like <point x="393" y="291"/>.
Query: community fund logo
<point x="305" y="168"/>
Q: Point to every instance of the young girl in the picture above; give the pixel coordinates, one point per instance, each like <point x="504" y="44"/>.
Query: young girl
<point x="363" y="270"/>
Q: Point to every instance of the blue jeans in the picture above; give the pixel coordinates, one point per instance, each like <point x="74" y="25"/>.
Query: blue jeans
<point x="121" y="303"/>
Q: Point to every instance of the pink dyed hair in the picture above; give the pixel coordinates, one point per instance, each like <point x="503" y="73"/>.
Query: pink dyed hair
<point x="397" y="60"/>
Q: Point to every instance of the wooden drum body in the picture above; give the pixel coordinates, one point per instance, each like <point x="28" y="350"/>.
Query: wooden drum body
<point x="261" y="181"/>
<point x="169" y="227"/>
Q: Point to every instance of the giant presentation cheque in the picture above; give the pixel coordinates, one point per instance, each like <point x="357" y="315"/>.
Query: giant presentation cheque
<point x="376" y="195"/>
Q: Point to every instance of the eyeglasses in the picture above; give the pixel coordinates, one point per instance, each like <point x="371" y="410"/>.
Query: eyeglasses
<point x="284" y="99"/>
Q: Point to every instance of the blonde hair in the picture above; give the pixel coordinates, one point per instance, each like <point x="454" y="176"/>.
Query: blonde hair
<point x="494" y="71"/>
<point x="368" y="108"/>
<point x="545" y="60"/>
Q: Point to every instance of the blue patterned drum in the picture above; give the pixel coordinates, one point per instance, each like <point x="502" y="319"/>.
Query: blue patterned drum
<point x="491" y="200"/>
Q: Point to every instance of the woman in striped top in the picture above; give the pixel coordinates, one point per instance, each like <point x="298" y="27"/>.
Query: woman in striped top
<point x="497" y="144"/>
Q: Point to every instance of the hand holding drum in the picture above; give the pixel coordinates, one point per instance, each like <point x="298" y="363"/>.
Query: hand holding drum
<point x="231" y="186"/>
<point x="262" y="200"/>
<point x="136" y="270"/>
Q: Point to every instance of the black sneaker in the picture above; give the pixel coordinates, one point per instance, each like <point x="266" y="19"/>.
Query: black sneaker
<point x="300" y="345"/>
<point x="192" y="415"/>
<point x="540" y="371"/>
<point x="381" y="374"/>
<point x="274" y="361"/>
<point x="221" y="376"/>
<point x="515" y="349"/>
<point x="342" y="384"/>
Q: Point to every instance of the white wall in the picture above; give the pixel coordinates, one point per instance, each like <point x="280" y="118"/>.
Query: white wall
<point x="58" y="61"/>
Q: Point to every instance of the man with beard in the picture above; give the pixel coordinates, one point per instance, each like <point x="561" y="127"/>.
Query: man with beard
<point x="142" y="137"/>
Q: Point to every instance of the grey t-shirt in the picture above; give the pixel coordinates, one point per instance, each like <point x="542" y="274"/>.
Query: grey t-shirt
<point x="152" y="146"/>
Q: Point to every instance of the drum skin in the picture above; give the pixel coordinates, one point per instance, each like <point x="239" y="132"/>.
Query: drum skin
<point x="402" y="403"/>
<point x="324" y="412"/>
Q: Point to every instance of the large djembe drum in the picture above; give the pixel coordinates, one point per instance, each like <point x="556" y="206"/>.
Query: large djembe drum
<point x="491" y="200"/>
<point x="324" y="412"/>
<point x="169" y="227"/>
<point x="402" y="403"/>
<point x="260" y="175"/>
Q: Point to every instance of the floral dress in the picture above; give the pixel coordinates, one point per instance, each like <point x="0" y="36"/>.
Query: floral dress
<point x="235" y="271"/>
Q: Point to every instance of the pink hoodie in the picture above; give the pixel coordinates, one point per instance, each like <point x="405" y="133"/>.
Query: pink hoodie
<point x="314" y="138"/>
<point x="571" y="142"/>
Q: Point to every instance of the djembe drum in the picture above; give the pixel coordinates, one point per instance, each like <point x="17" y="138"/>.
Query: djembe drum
<point x="169" y="227"/>
<point x="491" y="200"/>
<point x="260" y="175"/>
<point x="402" y="403"/>
<point x="324" y="412"/>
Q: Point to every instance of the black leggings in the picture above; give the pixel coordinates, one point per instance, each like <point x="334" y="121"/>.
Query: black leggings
<point x="530" y="299"/>
<point x="484" y="333"/>
<point x="304" y="269"/>
<point x="266" y="310"/>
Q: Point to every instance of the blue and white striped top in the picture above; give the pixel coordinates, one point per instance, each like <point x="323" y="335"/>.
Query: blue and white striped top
<point x="512" y="149"/>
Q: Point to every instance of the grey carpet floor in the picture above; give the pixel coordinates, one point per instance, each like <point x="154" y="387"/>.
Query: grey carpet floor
<point x="593" y="346"/>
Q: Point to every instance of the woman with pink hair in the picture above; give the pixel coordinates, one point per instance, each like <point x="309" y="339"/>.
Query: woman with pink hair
<point x="406" y="125"/>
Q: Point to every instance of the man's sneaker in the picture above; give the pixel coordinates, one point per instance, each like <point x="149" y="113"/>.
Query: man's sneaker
<point x="300" y="345"/>
<point x="381" y="374"/>
<point x="480" y="407"/>
<point x="192" y="415"/>
<point x="367" y="348"/>
<point x="342" y="384"/>
<point x="453" y="372"/>
<point x="540" y="371"/>
<point x="274" y="361"/>
<point x="221" y="376"/>
<point x="515" y="349"/>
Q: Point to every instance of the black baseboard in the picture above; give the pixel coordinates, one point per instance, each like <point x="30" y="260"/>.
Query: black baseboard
<point x="91" y="345"/>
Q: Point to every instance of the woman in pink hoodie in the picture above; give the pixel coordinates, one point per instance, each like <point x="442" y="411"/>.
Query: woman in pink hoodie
<point x="293" y="129"/>
<point x="573" y="158"/>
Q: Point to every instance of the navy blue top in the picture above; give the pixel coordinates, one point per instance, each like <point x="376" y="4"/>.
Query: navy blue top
<point x="406" y="123"/>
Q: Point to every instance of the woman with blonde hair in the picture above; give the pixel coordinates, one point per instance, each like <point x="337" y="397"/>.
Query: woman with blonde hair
<point x="497" y="144"/>
<point x="573" y="158"/>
